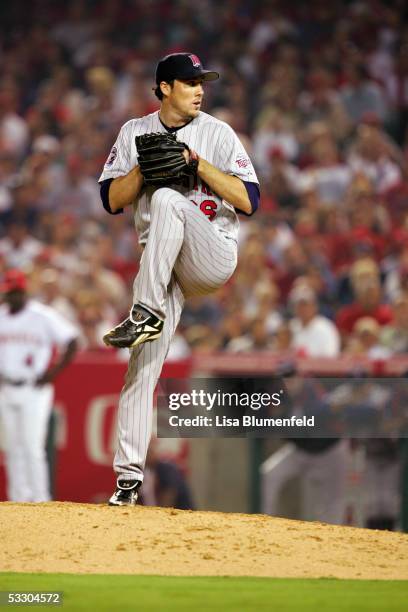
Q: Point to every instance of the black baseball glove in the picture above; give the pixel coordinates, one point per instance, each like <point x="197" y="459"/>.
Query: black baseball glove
<point x="162" y="161"/>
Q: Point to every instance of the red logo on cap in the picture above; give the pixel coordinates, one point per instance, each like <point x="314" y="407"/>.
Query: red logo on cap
<point x="195" y="60"/>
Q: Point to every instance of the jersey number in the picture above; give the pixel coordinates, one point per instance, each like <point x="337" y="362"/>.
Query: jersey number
<point x="208" y="207"/>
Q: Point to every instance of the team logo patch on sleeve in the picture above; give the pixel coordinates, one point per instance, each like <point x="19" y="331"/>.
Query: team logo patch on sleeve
<point x="112" y="156"/>
<point x="243" y="162"/>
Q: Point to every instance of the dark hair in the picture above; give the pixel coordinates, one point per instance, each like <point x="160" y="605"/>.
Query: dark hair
<point x="158" y="92"/>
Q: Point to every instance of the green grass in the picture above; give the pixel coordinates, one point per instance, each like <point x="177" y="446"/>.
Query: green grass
<point x="162" y="594"/>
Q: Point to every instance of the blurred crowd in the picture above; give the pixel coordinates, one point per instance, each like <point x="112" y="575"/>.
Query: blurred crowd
<point x="318" y="93"/>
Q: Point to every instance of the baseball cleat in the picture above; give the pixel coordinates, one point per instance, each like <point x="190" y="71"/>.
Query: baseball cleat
<point x="140" y="326"/>
<point x="126" y="493"/>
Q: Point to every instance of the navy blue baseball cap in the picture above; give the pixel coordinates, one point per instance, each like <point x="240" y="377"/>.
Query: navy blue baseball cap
<point x="182" y="66"/>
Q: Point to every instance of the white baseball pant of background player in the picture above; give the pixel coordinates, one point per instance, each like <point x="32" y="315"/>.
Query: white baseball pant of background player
<point x="24" y="417"/>
<point x="323" y="484"/>
<point x="27" y="339"/>
<point x="185" y="255"/>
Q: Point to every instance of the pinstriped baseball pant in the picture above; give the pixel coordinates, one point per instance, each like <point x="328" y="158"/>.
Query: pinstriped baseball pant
<point x="185" y="255"/>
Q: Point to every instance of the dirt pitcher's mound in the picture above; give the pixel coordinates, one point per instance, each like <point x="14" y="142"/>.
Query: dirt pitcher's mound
<point x="83" y="538"/>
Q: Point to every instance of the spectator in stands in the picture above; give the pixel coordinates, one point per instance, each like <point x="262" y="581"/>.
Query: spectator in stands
<point x="282" y="339"/>
<point x="374" y="155"/>
<point x="19" y="249"/>
<point x="63" y="235"/>
<point x="396" y="280"/>
<point x="200" y="311"/>
<point x="8" y="171"/>
<point x="42" y="171"/>
<point x="265" y="305"/>
<point x="78" y="194"/>
<point x="14" y="136"/>
<point x="49" y="290"/>
<point x="396" y="85"/>
<point x="202" y="341"/>
<point x="369" y="220"/>
<point x="278" y="237"/>
<point x="257" y="338"/>
<point x="395" y="335"/>
<point x="312" y="334"/>
<point x="321" y="279"/>
<point x="93" y="314"/>
<point x="365" y="340"/>
<point x="368" y="298"/>
<point x="328" y="174"/>
<point x="273" y="135"/>
<point x="280" y="183"/>
<point x="294" y="264"/>
<point x="320" y="103"/>
<point x="361" y="95"/>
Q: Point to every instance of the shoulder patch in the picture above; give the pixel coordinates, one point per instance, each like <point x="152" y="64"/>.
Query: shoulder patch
<point x="112" y="156"/>
<point x="242" y="162"/>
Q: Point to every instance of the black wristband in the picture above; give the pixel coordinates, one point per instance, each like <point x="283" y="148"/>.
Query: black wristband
<point x="105" y="185"/>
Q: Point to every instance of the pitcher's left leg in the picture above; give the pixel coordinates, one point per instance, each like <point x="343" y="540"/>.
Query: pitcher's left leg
<point x="136" y="400"/>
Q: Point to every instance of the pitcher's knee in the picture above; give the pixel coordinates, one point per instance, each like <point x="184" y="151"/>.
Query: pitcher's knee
<point x="161" y="195"/>
<point x="168" y="199"/>
<point x="225" y="274"/>
<point x="165" y="196"/>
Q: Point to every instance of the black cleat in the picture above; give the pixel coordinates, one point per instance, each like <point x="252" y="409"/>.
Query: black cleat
<point x="140" y="326"/>
<point x="126" y="493"/>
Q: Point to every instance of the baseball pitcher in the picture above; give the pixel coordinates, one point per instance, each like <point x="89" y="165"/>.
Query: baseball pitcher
<point x="185" y="174"/>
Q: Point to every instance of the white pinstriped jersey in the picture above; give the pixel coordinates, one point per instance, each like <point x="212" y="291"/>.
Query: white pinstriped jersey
<point x="213" y="140"/>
